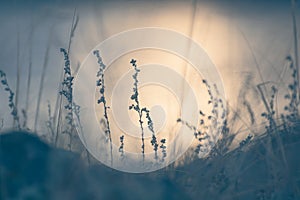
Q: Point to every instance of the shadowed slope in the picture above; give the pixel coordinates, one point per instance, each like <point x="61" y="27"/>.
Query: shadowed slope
<point x="30" y="169"/>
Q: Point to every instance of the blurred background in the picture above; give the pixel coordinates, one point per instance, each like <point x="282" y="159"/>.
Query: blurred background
<point x="242" y="38"/>
<point x="251" y="43"/>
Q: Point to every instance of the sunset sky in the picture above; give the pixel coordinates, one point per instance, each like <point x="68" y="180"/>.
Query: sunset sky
<point x="243" y="38"/>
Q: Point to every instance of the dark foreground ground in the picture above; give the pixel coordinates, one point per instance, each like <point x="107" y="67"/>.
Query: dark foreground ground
<point x="266" y="169"/>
